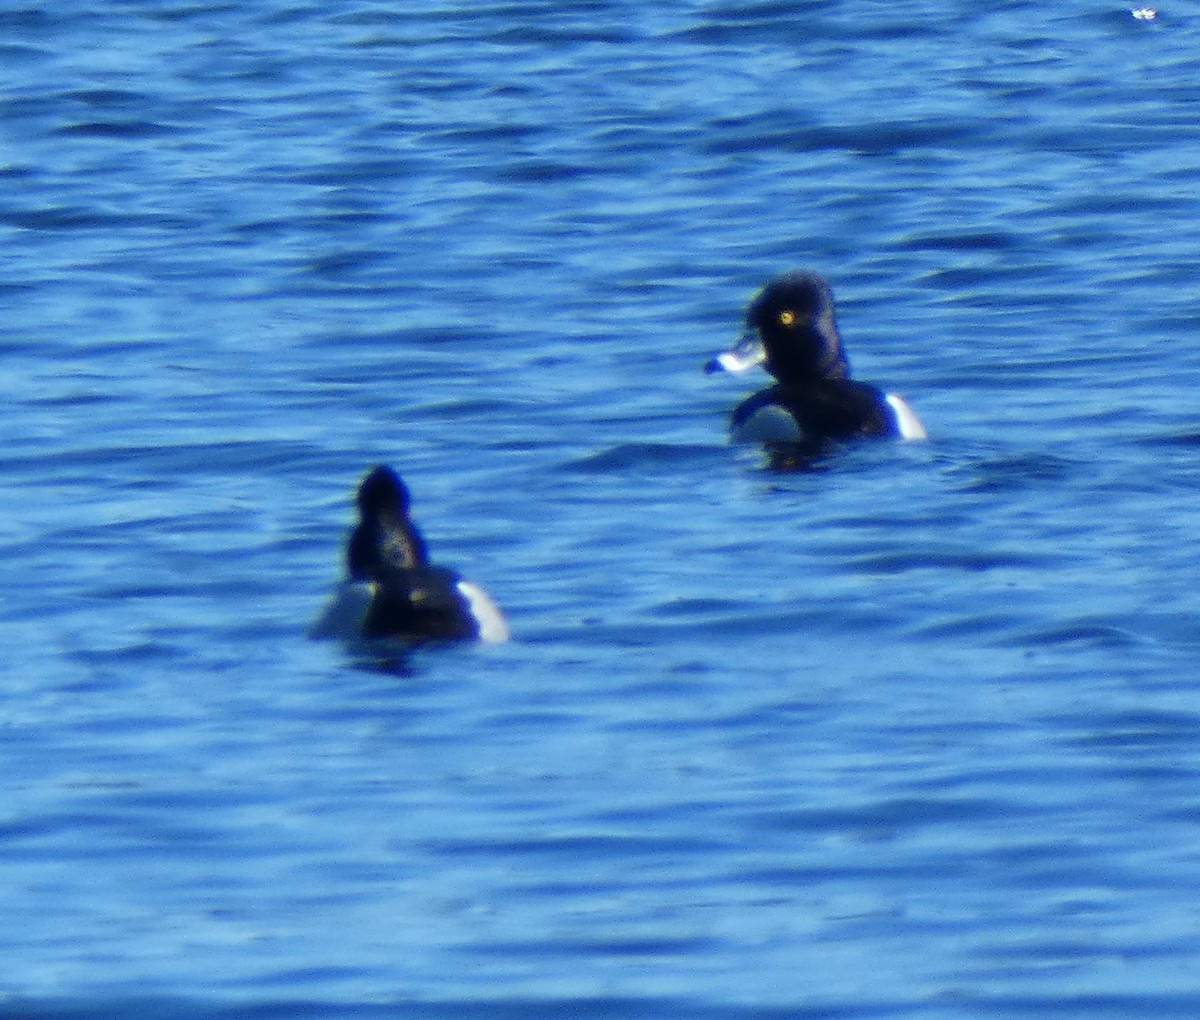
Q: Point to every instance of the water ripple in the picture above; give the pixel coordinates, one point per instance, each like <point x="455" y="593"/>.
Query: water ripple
<point x="908" y="734"/>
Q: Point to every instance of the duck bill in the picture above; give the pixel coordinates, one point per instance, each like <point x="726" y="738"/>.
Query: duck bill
<point x="748" y="353"/>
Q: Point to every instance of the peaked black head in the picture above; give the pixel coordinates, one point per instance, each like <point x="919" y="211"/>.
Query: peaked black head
<point x="383" y="491"/>
<point x="794" y="318"/>
<point x="385" y="539"/>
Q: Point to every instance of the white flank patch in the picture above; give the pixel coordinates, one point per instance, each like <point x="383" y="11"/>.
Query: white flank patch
<point x="906" y="419"/>
<point x="342" y="617"/>
<point x="492" y="626"/>
<point x="769" y="424"/>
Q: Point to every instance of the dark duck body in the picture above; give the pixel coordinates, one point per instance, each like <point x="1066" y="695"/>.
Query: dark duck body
<point x="791" y="330"/>
<point x="392" y="590"/>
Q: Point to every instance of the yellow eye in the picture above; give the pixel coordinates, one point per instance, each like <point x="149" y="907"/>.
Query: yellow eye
<point x="787" y="317"/>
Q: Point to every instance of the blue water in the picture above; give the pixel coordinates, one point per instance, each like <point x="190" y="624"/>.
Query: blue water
<point x="916" y="734"/>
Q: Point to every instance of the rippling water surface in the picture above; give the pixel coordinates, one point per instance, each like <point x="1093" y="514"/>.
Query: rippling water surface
<point x="916" y="734"/>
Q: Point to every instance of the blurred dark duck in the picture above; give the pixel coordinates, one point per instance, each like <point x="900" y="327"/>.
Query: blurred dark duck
<point x="792" y="332"/>
<point x="392" y="590"/>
